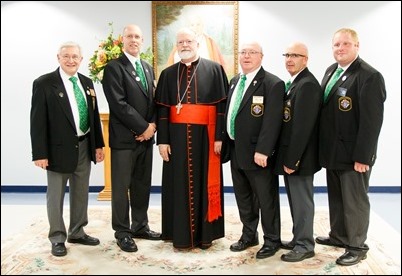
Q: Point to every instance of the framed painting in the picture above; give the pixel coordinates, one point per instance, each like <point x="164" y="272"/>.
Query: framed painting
<point x="215" y="22"/>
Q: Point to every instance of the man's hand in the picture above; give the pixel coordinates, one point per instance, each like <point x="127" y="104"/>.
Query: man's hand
<point x="100" y="155"/>
<point x="42" y="163"/>
<point x="164" y="151"/>
<point x="261" y="159"/>
<point x="147" y="134"/>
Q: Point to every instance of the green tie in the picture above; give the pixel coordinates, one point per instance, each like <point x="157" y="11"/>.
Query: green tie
<point x="287" y="85"/>
<point x="82" y="105"/>
<point x="332" y="82"/>
<point x="236" y="105"/>
<point x="140" y="73"/>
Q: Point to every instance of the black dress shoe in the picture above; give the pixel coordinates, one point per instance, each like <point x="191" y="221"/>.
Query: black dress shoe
<point x="296" y="256"/>
<point x="287" y="245"/>
<point x="85" y="240"/>
<point x="59" y="249"/>
<point x="350" y="258"/>
<point x="267" y="251"/>
<point x="148" y="235"/>
<point x="204" y="246"/>
<point x="328" y="241"/>
<point x="127" y="244"/>
<point x="243" y="245"/>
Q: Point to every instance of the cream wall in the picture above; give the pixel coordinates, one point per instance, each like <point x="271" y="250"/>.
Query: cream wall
<point x="31" y="33"/>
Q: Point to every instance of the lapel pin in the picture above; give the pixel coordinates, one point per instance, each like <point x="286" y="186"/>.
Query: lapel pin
<point x="61" y="95"/>
<point x="343" y="78"/>
<point x="254" y="83"/>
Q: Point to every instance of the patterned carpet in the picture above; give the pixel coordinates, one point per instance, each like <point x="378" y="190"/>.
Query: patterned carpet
<point x="28" y="252"/>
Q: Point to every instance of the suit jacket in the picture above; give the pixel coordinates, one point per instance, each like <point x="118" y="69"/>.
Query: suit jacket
<point x="258" y="121"/>
<point x="351" y="119"/>
<point x="298" y="143"/>
<point x="53" y="130"/>
<point x="131" y="106"/>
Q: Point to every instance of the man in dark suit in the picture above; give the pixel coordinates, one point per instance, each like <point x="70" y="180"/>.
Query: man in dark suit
<point x="350" y="124"/>
<point x="128" y="83"/>
<point x="297" y="153"/>
<point x="253" y="123"/>
<point x="64" y="140"/>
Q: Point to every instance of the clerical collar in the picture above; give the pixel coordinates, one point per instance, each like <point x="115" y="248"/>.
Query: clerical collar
<point x="195" y="62"/>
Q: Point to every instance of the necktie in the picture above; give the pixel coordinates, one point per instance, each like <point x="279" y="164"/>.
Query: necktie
<point x="140" y="72"/>
<point x="236" y="104"/>
<point x="287" y="85"/>
<point x="82" y="105"/>
<point x="332" y="82"/>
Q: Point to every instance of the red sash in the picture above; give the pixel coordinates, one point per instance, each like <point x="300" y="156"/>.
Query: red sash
<point x="204" y="115"/>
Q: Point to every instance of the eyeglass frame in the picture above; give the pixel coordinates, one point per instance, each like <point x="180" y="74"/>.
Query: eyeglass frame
<point x="293" y="55"/>
<point x="74" y="57"/>
<point x="250" y="53"/>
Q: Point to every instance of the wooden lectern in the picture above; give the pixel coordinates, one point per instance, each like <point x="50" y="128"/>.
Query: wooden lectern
<point x="106" y="193"/>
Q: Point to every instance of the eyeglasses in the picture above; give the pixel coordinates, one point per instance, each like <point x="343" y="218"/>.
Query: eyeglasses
<point x="74" y="57"/>
<point x="250" y="53"/>
<point x="188" y="42"/>
<point x="293" y="55"/>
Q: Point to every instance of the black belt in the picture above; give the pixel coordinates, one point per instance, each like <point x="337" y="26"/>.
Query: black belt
<point x="83" y="137"/>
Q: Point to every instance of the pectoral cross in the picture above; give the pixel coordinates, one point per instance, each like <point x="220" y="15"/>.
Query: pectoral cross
<point x="178" y="107"/>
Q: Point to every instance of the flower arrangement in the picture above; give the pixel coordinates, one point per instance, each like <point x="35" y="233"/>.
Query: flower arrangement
<point x="108" y="49"/>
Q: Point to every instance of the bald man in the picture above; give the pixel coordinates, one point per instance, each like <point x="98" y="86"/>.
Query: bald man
<point x="297" y="158"/>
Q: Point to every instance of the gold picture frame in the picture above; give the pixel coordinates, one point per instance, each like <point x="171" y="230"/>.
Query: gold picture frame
<point x="216" y="22"/>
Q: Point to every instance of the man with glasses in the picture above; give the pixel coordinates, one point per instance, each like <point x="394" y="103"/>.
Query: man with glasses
<point x="297" y="154"/>
<point x="66" y="136"/>
<point x="253" y="122"/>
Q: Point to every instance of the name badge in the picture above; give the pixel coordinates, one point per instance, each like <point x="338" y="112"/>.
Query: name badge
<point x="258" y="99"/>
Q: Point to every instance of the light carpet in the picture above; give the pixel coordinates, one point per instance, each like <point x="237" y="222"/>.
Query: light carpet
<point x="28" y="252"/>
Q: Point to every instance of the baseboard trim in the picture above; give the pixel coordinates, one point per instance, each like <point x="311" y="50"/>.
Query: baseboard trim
<point x="158" y="189"/>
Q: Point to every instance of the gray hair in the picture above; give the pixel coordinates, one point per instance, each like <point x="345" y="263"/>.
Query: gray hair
<point x="69" y="44"/>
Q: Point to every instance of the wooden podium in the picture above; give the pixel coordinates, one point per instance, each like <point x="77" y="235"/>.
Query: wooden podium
<point x="106" y="193"/>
